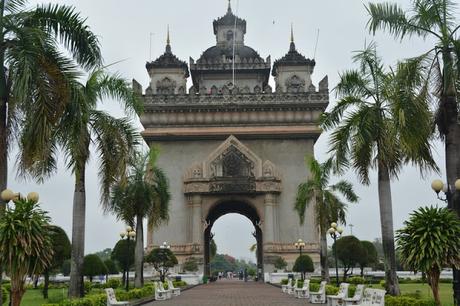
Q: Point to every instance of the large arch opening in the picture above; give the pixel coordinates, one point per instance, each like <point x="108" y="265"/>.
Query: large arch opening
<point x="238" y="207"/>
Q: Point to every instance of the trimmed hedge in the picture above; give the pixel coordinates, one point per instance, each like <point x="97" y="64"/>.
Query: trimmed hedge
<point x="407" y="301"/>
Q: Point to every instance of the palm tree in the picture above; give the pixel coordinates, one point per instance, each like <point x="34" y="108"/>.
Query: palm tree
<point x="83" y="124"/>
<point x="433" y="19"/>
<point x="381" y="122"/>
<point x="415" y="242"/>
<point x="25" y="242"/>
<point x="36" y="72"/>
<point x="328" y="206"/>
<point x="143" y="193"/>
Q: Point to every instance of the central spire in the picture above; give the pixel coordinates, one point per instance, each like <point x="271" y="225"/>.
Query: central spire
<point x="168" y="42"/>
<point x="229" y="10"/>
<point x="292" y="46"/>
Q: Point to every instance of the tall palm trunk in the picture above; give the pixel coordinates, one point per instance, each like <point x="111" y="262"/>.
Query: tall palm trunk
<point x="139" y="253"/>
<point x="449" y="108"/>
<point x="323" y="257"/>
<point x="386" y="223"/>
<point x="46" y="274"/>
<point x="76" y="288"/>
<point x="3" y="130"/>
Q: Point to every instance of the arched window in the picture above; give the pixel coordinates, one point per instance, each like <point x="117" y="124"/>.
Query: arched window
<point x="229" y="35"/>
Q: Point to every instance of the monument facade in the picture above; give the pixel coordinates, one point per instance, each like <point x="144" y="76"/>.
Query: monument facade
<point x="232" y="144"/>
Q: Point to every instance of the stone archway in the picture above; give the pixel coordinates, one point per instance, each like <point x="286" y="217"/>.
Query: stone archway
<point x="241" y="207"/>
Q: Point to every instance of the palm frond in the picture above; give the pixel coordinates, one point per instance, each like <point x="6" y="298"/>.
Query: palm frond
<point x="346" y="189"/>
<point x="305" y="193"/>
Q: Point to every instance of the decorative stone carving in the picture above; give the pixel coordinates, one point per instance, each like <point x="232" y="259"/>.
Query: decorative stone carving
<point x="225" y="90"/>
<point x="270" y="170"/>
<point x="257" y="89"/>
<point x="295" y="84"/>
<point x="214" y="90"/>
<point x="268" y="89"/>
<point x="324" y="84"/>
<point x="246" y="90"/>
<point x="203" y="90"/>
<point x="148" y="91"/>
<point x="312" y="88"/>
<point x="181" y="90"/>
<point x="166" y="86"/>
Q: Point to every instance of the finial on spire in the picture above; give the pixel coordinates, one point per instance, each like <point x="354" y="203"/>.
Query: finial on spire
<point x="229" y="10"/>
<point x="168" y="42"/>
<point x="292" y="46"/>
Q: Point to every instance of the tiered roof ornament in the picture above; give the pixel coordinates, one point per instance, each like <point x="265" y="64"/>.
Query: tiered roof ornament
<point x="292" y="58"/>
<point x="229" y="20"/>
<point x="168" y="59"/>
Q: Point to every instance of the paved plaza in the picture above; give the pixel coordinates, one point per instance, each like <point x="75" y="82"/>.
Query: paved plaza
<point x="233" y="293"/>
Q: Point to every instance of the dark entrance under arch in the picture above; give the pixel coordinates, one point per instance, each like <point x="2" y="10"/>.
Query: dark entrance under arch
<point x="238" y="207"/>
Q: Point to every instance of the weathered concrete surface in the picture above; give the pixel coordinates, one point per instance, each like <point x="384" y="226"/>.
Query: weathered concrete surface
<point x="233" y="293"/>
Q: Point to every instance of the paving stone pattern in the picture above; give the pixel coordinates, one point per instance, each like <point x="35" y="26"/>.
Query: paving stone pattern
<point x="233" y="293"/>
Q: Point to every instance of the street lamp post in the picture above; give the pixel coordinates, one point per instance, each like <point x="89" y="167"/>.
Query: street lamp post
<point x="300" y="244"/>
<point x="164" y="246"/>
<point x="129" y="234"/>
<point x="451" y="195"/>
<point x="335" y="233"/>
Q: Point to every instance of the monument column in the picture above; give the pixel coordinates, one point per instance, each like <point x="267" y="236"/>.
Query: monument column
<point x="269" y="205"/>
<point x="196" y="218"/>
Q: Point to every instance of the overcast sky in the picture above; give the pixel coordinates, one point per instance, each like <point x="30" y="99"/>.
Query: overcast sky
<point x="124" y="29"/>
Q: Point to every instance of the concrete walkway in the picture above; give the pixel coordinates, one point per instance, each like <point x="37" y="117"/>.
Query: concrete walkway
<point x="233" y="293"/>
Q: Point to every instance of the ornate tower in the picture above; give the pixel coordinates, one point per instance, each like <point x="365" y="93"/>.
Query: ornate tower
<point x="168" y="74"/>
<point x="230" y="61"/>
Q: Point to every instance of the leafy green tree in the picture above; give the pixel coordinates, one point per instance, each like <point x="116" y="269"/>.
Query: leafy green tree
<point x="143" y="193"/>
<point x="381" y="121"/>
<point x="34" y="83"/>
<point x="121" y="255"/>
<point x="104" y="254"/>
<point x="93" y="266"/>
<point x="328" y="206"/>
<point x="83" y="124"/>
<point x="25" y="243"/>
<point x="429" y="242"/>
<point x="111" y="266"/>
<point x="349" y="252"/>
<point x="370" y="259"/>
<point x="303" y="264"/>
<point x="61" y="252"/>
<point x="212" y="249"/>
<point x="162" y="259"/>
<point x="190" y="265"/>
<point x="280" y="263"/>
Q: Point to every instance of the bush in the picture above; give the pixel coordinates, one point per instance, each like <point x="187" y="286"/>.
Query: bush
<point x="179" y="283"/>
<point x="284" y="281"/>
<point x="88" y="286"/>
<point x="331" y="290"/>
<point x="314" y="287"/>
<point x="4" y="294"/>
<point x="205" y="279"/>
<point x="113" y="283"/>
<point x="356" y="280"/>
<point x="407" y="301"/>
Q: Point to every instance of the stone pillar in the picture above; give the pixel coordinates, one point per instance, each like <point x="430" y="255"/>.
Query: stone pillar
<point x="196" y="218"/>
<point x="269" y="205"/>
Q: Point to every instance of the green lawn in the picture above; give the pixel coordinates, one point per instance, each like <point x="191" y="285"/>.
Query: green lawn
<point x="445" y="291"/>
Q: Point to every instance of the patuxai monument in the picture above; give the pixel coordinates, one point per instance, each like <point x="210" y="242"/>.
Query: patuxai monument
<point x="231" y="143"/>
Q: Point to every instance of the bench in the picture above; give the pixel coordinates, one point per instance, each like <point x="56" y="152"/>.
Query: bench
<point x="319" y="297"/>
<point x="160" y="293"/>
<point x="291" y="289"/>
<point x="373" y="297"/>
<point x="356" y="299"/>
<point x="175" y="291"/>
<point x="337" y="300"/>
<point x="284" y="288"/>
<point x="304" y="292"/>
<point x="112" y="299"/>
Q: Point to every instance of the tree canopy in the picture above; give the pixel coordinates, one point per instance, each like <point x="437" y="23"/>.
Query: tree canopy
<point x="162" y="259"/>
<point x="93" y="266"/>
<point x="303" y="264"/>
<point x="120" y="253"/>
<point x="349" y="252"/>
